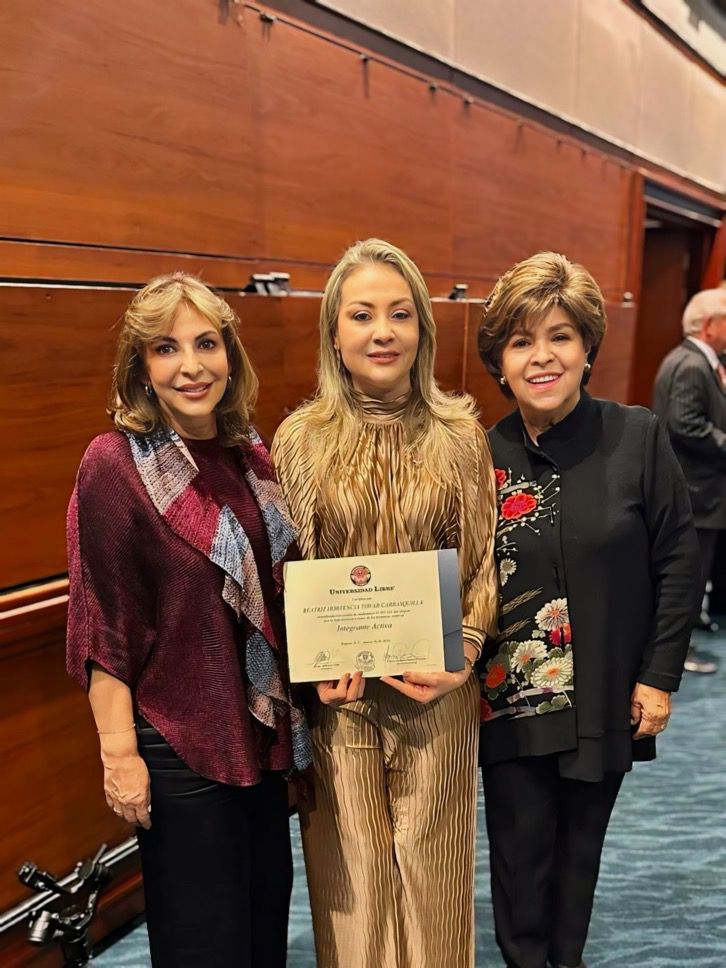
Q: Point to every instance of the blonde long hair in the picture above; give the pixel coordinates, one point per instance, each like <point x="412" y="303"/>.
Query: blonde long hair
<point x="151" y="314"/>
<point x="433" y="420"/>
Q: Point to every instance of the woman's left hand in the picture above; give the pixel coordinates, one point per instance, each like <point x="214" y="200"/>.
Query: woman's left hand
<point x="425" y="687"/>
<point x="650" y="709"/>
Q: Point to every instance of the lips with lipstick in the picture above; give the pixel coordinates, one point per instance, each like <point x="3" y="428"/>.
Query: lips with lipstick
<point x="543" y="380"/>
<point x="193" y="391"/>
<point x="384" y="356"/>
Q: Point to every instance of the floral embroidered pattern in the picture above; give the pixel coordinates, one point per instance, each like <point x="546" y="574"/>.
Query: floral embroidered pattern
<point x="553" y="615"/>
<point x="517" y="505"/>
<point x="561" y="636"/>
<point x="527" y="653"/>
<point x="507" y="567"/>
<point x="531" y="670"/>
<point x="531" y="666"/>
<point x="485" y="711"/>
<point x="496" y="675"/>
<point x="554" y="672"/>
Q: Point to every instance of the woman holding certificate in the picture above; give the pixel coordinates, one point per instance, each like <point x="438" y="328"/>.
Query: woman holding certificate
<point x="597" y="557"/>
<point x="176" y="536"/>
<point x="382" y="461"/>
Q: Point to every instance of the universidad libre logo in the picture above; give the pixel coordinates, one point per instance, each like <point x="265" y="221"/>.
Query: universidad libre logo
<point x="360" y="575"/>
<point x="365" y="661"/>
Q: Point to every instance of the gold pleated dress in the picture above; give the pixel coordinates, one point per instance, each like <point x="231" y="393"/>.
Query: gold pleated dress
<point x="389" y="838"/>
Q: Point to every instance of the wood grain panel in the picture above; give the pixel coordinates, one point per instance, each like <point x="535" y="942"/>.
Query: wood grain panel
<point x="612" y="372"/>
<point x="57" y="345"/>
<point x="517" y="189"/>
<point x="39" y="262"/>
<point x="52" y="810"/>
<point x="133" y="126"/>
<point x="715" y="271"/>
<point x="452" y="318"/>
<point x="280" y="335"/>
<point x="127" y="124"/>
<point x="351" y="150"/>
<point x="663" y="298"/>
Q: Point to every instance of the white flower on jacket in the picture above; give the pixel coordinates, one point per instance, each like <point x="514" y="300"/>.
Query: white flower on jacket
<point x="553" y="672"/>
<point x="553" y="615"/>
<point x="507" y="568"/>
<point x="526" y="652"/>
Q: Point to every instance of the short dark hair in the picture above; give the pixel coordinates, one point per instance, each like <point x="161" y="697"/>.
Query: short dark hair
<point x="527" y="292"/>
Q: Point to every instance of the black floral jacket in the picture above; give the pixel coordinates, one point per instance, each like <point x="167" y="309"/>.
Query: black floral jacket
<point x="596" y="554"/>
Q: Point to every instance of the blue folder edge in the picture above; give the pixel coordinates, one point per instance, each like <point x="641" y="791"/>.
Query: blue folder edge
<point x="451" y="619"/>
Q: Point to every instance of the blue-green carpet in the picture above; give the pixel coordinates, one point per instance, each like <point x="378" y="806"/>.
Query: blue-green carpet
<point x="661" y="898"/>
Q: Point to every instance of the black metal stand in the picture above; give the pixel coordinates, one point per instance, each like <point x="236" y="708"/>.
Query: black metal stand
<point x="67" y="927"/>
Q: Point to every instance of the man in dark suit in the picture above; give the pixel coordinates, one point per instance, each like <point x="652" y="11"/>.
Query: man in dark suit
<point x="690" y="398"/>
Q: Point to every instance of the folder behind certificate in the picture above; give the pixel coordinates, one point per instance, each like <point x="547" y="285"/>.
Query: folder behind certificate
<point x="381" y="615"/>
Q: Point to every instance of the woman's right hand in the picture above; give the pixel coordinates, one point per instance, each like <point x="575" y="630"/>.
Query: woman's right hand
<point x="127" y="787"/>
<point x="347" y="689"/>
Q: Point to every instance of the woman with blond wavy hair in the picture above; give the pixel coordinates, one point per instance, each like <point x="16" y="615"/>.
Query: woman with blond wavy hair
<point x="383" y="461"/>
<point x="177" y="533"/>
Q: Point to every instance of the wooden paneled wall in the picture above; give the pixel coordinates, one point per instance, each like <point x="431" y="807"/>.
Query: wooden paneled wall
<point x="139" y="138"/>
<point x="134" y="129"/>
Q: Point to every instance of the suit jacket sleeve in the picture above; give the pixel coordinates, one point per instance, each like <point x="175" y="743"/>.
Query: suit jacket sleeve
<point x="688" y="410"/>
<point x="675" y="562"/>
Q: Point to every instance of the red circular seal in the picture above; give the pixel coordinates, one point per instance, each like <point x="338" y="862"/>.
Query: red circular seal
<point x="360" y="575"/>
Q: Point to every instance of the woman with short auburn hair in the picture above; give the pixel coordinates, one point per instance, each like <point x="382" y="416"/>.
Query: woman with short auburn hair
<point x="596" y="553"/>
<point x="383" y="461"/>
<point x="527" y="292"/>
<point x="177" y="533"/>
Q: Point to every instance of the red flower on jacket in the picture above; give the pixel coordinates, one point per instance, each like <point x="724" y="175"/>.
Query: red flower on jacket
<point x="562" y="635"/>
<point x="501" y="476"/>
<point x="496" y="676"/>
<point x="517" y="505"/>
<point x="485" y="711"/>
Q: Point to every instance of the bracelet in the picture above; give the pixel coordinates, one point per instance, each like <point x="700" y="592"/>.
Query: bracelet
<point x="114" y="732"/>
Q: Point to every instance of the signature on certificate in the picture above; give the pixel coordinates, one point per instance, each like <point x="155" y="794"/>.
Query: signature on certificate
<point x="418" y="652"/>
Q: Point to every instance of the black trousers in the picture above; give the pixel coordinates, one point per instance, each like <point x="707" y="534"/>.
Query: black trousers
<point x="545" y="838"/>
<point x="217" y="866"/>
<point x="707" y="539"/>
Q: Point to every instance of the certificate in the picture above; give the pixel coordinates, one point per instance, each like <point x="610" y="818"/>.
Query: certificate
<point x="378" y="614"/>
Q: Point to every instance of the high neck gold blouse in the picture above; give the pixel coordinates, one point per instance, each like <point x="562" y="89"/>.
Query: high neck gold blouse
<point x="385" y="501"/>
